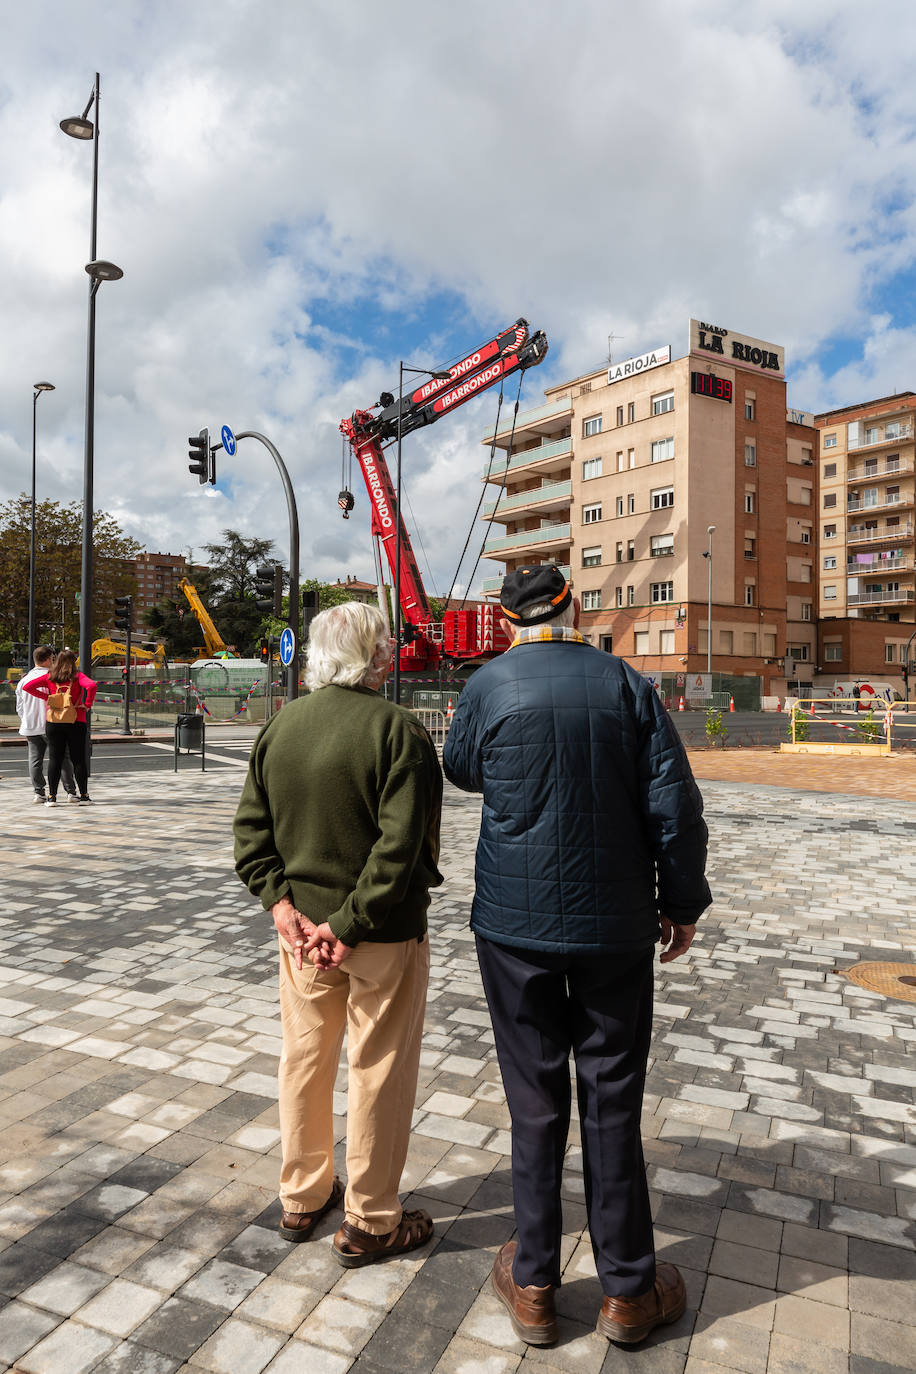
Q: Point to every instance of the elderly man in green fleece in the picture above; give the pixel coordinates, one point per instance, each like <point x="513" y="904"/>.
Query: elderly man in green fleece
<point x="337" y="834"/>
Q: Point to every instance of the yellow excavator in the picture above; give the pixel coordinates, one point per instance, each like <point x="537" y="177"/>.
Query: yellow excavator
<point x="111" y="648"/>
<point x="215" y="644"/>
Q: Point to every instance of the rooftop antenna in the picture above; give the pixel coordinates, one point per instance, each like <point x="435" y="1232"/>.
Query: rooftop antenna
<point x="610" y="340"/>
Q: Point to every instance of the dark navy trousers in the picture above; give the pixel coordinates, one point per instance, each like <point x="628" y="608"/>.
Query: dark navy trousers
<point x="599" y="1007"/>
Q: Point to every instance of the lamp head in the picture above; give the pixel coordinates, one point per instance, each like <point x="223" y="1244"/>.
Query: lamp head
<point x="710" y="529"/>
<point x="441" y="376"/>
<point x="104" y="271"/>
<point x="43" y="386"/>
<point x="77" y="126"/>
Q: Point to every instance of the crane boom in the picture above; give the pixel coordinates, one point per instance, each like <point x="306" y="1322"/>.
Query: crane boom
<point x="212" y="637"/>
<point x="514" y="349"/>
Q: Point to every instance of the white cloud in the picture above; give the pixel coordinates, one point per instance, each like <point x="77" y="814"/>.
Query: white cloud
<point x="611" y="168"/>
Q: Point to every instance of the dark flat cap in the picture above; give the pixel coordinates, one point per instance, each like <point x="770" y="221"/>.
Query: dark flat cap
<point x="530" y="586"/>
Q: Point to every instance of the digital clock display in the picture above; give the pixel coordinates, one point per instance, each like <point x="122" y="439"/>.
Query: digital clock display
<point x="708" y="384"/>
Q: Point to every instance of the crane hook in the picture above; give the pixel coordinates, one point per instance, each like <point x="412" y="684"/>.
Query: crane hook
<point x="346" y="502"/>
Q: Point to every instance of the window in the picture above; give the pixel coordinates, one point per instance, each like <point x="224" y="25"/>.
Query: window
<point x="631" y="504"/>
<point x="641" y="642"/>
<point x="891" y="495"/>
<point x="805" y="536"/>
<point x="618" y="596"/>
<point x="829" y="500"/>
<point x="830" y="591"/>
<point x="892" y="430"/>
<point x="889" y="653"/>
<point x="591" y="514"/>
<point x="661" y="545"/>
<point x="666" y="642"/>
<point x="829" y="562"/>
<point x="748" y="503"/>
<point x="591" y="468"/>
<point x="620" y="464"/>
<point x="797" y="651"/>
<point x="769" y="645"/>
<point x="829" y="441"/>
<point x="591" y="601"/>
<point x="750" y="409"/>
<point x="833" y="653"/>
<point x="591" y="558"/>
<point x="750" y="454"/>
<point x="631" y="597"/>
<point x="750" y="591"/>
<point x="662" y="591"/>
<point x="591" y="426"/>
<point x="620" y="505"/>
<point x="892" y="462"/>
<point x="871" y="434"/>
<point x="619" y="551"/>
<point x="662" y="497"/>
<point x="662" y="449"/>
<point x="869" y="496"/>
<point x="830" y="531"/>
<point x="620" y="415"/>
<point x="607" y="644"/>
<point x="631" y="412"/>
<point x="749" y="641"/>
<point x="726" y="642"/>
<point x="830" y="469"/>
<point x="750" y="547"/>
<point x="631" y="550"/>
<point x="663" y="402"/>
<point x="631" y="457"/>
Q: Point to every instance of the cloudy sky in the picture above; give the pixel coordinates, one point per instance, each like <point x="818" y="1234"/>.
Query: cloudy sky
<point x="303" y="192"/>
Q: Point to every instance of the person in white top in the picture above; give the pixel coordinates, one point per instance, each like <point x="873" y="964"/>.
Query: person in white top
<point x="32" y="713"/>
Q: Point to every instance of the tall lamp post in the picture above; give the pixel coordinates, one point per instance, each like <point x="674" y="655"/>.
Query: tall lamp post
<point x="81" y="127"/>
<point x="438" y="376"/>
<point x="38" y="388"/>
<point x="707" y="554"/>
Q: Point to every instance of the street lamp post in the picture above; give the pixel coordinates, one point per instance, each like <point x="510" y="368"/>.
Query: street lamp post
<point x="38" y="388"/>
<point x="707" y="554"/>
<point x="438" y="376"/>
<point x="81" y="127"/>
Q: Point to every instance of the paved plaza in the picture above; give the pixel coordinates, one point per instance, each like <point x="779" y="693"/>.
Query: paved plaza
<point x="138" y="1119"/>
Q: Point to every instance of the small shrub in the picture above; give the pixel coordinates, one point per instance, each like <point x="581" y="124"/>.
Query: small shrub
<point x="801" y="724"/>
<point x="716" y="733"/>
<point x="868" y="727"/>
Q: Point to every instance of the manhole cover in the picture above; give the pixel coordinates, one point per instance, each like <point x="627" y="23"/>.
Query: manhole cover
<point x="891" y="980"/>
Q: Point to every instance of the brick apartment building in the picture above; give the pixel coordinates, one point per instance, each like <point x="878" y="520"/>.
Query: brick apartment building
<point x="867" y="592"/>
<point x="619" y="476"/>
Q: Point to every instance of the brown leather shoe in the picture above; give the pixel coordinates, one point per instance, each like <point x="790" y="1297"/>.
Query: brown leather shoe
<point x="629" y="1320"/>
<point x="298" y="1226"/>
<point x="531" y="1310"/>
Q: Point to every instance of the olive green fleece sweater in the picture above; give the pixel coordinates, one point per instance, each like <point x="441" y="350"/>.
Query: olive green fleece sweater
<point x="340" y="811"/>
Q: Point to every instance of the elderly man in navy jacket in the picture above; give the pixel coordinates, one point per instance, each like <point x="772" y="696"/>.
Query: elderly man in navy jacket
<point x="592" y="848"/>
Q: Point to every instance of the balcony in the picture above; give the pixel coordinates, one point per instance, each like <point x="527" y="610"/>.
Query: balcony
<point x="881" y="534"/>
<point x="853" y="506"/>
<point x="550" y="496"/>
<point x="545" y="419"/>
<point x="491" y="585"/>
<point x="902" y="563"/>
<point x="551" y="536"/>
<point x="880" y="597"/>
<point x="901" y="435"/>
<point x="893" y="467"/>
<point x="553" y="457"/>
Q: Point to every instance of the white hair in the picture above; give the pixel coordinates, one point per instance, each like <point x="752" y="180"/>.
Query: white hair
<point x="348" y="645"/>
<point x="564" y="617"/>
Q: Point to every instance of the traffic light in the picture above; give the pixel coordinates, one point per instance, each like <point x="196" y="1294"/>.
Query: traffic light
<point x="264" y="650"/>
<point x="124" y="612"/>
<point x="199" y="454"/>
<point x="408" y="632"/>
<point x="309" y="609"/>
<point x="268" y="588"/>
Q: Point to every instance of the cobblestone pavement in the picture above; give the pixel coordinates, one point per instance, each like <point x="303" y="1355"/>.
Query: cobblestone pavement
<point x="138" y="1121"/>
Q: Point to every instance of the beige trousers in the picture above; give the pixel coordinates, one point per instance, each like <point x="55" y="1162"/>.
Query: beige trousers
<point x="378" y="995"/>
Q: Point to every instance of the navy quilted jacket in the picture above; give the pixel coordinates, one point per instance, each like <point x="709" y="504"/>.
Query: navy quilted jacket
<point x="592" y="823"/>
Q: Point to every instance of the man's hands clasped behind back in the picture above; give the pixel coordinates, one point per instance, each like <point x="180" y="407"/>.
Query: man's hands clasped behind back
<point x="317" y="943"/>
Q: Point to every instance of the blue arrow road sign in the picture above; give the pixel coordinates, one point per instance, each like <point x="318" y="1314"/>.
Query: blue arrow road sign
<point x="287" y="647"/>
<point x="228" y="439"/>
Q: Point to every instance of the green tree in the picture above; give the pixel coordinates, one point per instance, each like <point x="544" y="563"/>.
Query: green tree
<point x="58" y="551"/>
<point x="173" y="621"/>
<point x="231" y="600"/>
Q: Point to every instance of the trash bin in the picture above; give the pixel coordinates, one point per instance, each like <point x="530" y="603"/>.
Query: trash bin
<point x="189" y="735"/>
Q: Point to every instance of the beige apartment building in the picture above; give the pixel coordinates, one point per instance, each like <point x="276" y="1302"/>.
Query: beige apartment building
<point x="866" y="588"/>
<point x="660" y="483"/>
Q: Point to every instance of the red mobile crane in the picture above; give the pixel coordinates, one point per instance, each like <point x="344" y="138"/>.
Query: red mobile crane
<point x="462" y="634"/>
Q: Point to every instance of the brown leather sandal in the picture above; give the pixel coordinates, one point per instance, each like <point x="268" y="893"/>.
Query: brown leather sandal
<point x="354" y="1247"/>
<point x="298" y="1226"/>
